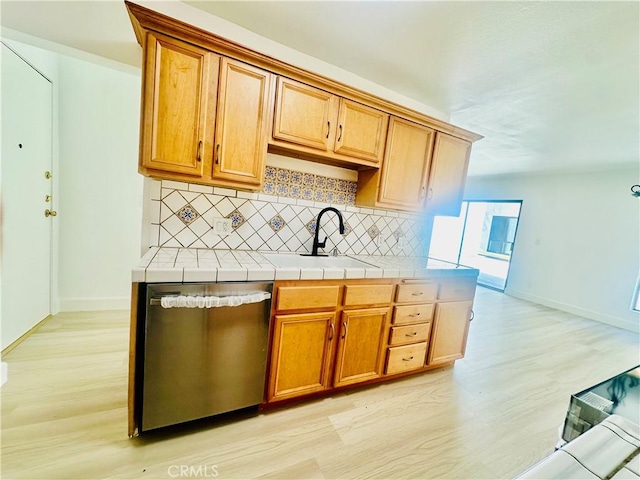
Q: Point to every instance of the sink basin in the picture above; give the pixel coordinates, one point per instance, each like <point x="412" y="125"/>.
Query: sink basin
<point x="284" y="260"/>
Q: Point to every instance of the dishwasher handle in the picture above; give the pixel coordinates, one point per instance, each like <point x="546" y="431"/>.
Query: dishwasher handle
<point x="189" y="301"/>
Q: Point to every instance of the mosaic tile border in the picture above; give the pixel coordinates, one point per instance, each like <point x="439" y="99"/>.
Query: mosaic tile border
<point x="183" y="215"/>
<point x="308" y="186"/>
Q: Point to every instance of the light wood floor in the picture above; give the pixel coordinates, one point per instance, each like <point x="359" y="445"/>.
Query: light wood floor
<point x="493" y="414"/>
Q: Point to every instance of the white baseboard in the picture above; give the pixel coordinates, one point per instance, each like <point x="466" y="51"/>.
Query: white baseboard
<point x="582" y="312"/>
<point x="93" y="304"/>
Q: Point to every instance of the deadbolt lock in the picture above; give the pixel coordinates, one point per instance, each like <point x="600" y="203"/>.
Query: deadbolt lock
<point x="47" y="198"/>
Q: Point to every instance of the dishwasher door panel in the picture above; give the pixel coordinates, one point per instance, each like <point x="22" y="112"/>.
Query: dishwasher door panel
<point x="200" y="362"/>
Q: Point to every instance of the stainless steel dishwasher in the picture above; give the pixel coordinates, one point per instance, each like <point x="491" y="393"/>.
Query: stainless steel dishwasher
<point x="205" y="350"/>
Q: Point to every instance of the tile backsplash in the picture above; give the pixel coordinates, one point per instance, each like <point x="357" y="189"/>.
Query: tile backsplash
<point x="281" y="218"/>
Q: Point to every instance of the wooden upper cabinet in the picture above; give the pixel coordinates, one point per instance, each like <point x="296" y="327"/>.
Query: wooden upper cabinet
<point x="313" y="121"/>
<point x="361" y="131"/>
<point x="242" y="123"/>
<point x="448" y="174"/>
<point x="402" y="181"/>
<point x="178" y="104"/>
<point x="304" y="115"/>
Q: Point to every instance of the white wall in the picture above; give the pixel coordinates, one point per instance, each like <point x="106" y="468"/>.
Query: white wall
<point x="578" y="242"/>
<point x="100" y="201"/>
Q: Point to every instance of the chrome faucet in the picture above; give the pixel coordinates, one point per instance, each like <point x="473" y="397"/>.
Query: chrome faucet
<point x="316" y="239"/>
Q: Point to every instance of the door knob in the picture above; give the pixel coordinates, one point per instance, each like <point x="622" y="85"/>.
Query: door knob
<point x="47" y="175"/>
<point x="50" y="213"/>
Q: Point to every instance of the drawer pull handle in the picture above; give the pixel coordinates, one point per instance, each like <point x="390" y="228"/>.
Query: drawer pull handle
<point x="345" y="327"/>
<point x="331" y="332"/>
<point x="411" y="334"/>
<point x="408" y="359"/>
<point x="328" y="128"/>
<point x="414" y="314"/>
<point x="417" y="294"/>
<point x="473" y="315"/>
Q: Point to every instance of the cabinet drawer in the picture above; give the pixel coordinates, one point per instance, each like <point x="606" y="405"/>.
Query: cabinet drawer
<point x="410" y="334"/>
<point x="412" y="313"/>
<point x="419" y="292"/>
<point x="303" y="298"/>
<point x="409" y="357"/>
<point x="367" y="294"/>
<point x="457" y="290"/>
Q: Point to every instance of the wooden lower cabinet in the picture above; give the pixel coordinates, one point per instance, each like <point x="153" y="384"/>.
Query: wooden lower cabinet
<point x="301" y="354"/>
<point x="450" y="329"/>
<point x="360" y="346"/>
<point x="363" y="331"/>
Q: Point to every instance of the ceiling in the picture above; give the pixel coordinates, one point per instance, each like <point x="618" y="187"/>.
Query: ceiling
<point x="552" y="86"/>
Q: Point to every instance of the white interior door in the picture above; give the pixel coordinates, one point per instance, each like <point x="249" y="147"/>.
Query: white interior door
<point x="27" y="99"/>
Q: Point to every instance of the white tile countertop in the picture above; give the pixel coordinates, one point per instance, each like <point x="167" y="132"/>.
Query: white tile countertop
<point x="164" y="264"/>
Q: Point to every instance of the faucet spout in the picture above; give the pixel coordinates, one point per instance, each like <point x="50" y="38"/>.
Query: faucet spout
<point x="316" y="239"/>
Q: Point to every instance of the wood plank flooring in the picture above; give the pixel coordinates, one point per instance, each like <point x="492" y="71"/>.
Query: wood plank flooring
<point x="493" y="414"/>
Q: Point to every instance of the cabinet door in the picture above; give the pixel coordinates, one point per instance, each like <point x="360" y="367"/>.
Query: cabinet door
<point x="360" y="347"/>
<point x="361" y="131"/>
<point x="305" y="115"/>
<point x="449" y="334"/>
<point x="406" y="165"/>
<point x="178" y="114"/>
<point x="242" y="123"/>
<point x="448" y="174"/>
<point x="301" y="354"/>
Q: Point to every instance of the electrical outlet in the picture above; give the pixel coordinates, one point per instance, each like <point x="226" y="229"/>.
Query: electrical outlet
<point x="222" y="226"/>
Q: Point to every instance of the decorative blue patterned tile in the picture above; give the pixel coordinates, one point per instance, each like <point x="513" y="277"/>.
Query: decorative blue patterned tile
<point x="341" y="197"/>
<point x="352" y="187"/>
<point x="269" y="187"/>
<point x="283" y="190"/>
<point x="307" y="193"/>
<point x="295" y="191"/>
<point x="237" y="219"/>
<point x="319" y="196"/>
<point x="343" y="186"/>
<point x="330" y="196"/>
<point x="187" y="214"/>
<point x="308" y="179"/>
<point x="373" y="231"/>
<point x="311" y="226"/>
<point x="295" y="178"/>
<point x="276" y="223"/>
<point x="283" y="175"/>
<point x="332" y="184"/>
<point x="321" y="182"/>
<point x="351" y="199"/>
<point x="270" y="173"/>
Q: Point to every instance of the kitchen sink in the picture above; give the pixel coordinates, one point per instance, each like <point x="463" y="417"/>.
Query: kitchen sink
<point x="284" y="260"/>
